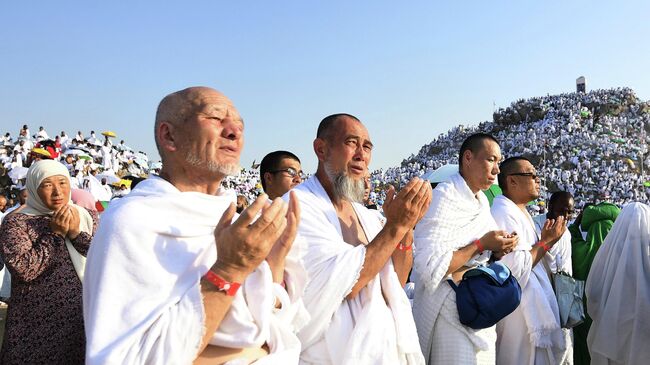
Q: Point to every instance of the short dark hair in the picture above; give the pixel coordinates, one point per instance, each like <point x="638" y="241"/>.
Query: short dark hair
<point x="558" y="196"/>
<point x="506" y="168"/>
<point x="473" y="143"/>
<point x="272" y="161"/>
<point x="326" y="125"/>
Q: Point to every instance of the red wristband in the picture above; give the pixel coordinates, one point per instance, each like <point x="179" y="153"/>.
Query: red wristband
<point x="230" y="288"/>
<point x="479" y="245"/>
<point x="402" y="247"/>
<point x="543" y="245"/>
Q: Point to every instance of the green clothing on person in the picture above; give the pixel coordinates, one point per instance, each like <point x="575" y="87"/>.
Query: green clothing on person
<point x="597" y="220"/>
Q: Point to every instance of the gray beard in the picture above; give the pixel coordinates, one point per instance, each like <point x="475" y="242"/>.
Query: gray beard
<point x="344" y="186"/>
<point x="225" y="169"/>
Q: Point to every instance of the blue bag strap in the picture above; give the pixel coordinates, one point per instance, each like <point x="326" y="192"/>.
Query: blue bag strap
<point x="452" y="284"/>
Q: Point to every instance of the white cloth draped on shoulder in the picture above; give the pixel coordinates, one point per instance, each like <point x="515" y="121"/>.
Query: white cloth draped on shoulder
<point x="142" y="299"/>
<point x="455" y="218"/>
<point x="532" y="333"/>
<point x="375" y="327"/>
<point x="618" y="291"/>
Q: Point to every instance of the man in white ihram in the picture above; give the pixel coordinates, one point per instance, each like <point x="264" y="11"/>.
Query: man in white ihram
<point x="532" y="333"/>
<point x="164" y="271"/>
<point x="456" y="234"/>
<point x="356" y="268"/>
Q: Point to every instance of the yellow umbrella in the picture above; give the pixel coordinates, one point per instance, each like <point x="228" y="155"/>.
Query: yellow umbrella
<point x="109" y="134"/>
<point x="41" y="151"/>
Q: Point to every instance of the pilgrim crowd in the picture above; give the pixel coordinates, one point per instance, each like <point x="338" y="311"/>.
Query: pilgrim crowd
<point x="108" y="258"/>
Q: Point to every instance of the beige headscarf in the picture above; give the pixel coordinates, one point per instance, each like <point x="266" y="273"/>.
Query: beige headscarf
<point x="38" y="172"/>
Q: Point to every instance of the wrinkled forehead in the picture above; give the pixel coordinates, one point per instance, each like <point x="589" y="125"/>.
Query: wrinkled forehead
<point x="348" y="127"/>
<point x="215" y="104"/>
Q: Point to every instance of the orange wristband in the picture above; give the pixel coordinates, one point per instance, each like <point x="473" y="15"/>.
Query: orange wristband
<point x="543" y="245"/>
<point x="479" y="245"/>
<point x="402" y="247"/>
<point x="230" y="288"/>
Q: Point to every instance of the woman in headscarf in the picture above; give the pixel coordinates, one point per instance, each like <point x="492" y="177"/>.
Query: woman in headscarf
<point x="43" y="246"/>
<point x="618" y="292"/>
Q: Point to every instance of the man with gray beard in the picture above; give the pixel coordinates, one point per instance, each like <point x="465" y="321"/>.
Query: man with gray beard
<point x="356" y="265"/>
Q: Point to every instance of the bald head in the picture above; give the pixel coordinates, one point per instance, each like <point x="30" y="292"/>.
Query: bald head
<point x="176" y="107"/>
<point x="329" y="123"/>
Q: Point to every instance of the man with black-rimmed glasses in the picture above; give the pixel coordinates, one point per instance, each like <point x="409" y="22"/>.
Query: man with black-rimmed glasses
<point x="280" y="171"/>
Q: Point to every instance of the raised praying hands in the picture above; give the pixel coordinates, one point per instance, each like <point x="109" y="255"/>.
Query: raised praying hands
<point x="243" y="245"/>
<point x="282" y="246"/>
<point x="553" y="230"/>
<point x="409" y="205"/>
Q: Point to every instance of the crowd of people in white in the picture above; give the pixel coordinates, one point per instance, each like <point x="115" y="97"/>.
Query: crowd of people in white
<point x="95" y="163"/>
<point x="206" y="262"/>
<point x="590" y="144"/>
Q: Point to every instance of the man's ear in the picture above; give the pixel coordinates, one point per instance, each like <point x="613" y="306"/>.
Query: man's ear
<point x="467" y="157"/>
<point x="511" y="181"/>
<point x="267" y="178"/>
<point x="166" y="136"/>
<point x="320" y="148"/>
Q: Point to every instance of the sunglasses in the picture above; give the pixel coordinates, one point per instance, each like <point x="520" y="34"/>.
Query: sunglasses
<point x="532" y="175"/>
<point x="291" y="172"/>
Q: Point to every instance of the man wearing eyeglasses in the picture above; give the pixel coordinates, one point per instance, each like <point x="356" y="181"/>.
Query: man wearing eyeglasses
<point x="280" y="171"/>
<point x="532" y="333"/>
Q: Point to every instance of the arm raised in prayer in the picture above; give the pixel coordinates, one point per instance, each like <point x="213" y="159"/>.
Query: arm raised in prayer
<point x="81" y="241"/>
<point x="402" y="212"/>
<point x="276" y="258"/>
<point x="241" y="247"/>
<point x="403" y="258"/>
<point x="551" y="233"/>
<point x="26" y="259"/>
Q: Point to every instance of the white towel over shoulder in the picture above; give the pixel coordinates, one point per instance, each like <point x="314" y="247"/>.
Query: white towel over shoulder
<point x="142" y="300"/>
<point x="455" y="218"/>
<point x="376" y="327"/>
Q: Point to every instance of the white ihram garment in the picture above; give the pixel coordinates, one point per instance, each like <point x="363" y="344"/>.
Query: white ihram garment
<point x="532" y="333"/>
<point x="142" y="297"/>
<point x="456" y="217"/>
<point x="375" y="327"/>
<point x="618" y="291"/>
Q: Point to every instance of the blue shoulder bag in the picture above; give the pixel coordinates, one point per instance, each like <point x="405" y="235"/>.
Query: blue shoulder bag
<point x="485" y="295"/>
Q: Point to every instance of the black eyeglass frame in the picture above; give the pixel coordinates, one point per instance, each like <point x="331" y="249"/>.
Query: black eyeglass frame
<point x="291" y="171"/>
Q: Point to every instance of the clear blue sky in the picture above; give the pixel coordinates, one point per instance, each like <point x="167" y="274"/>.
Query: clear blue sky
<point x="408" y="70"/>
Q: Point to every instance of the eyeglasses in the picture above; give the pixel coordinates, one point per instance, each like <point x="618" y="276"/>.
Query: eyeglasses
<point x="291" y="172"/>
<point x="532" y="175"/>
